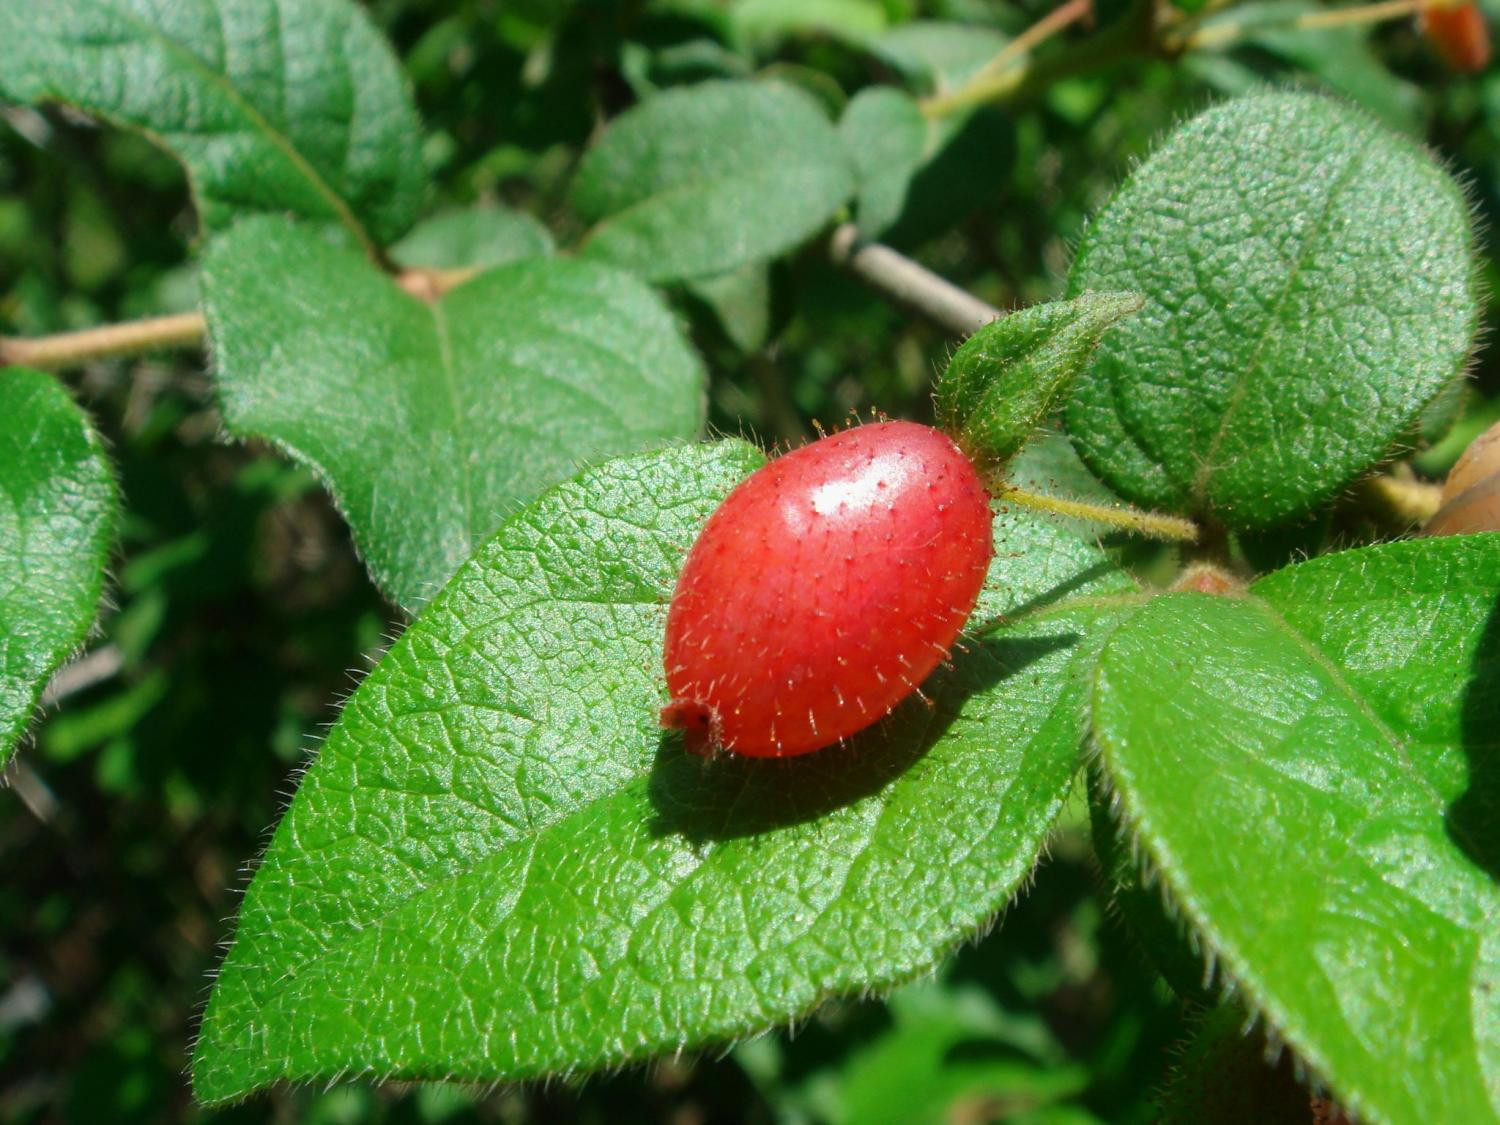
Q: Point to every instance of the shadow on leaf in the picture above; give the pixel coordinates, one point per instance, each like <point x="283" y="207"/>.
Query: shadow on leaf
<point x="1474" y="819"/>
<point x="1054" y="595"/>
<point x="729" y="796"/>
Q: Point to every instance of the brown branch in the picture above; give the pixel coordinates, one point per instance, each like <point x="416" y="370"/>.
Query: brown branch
<point x="898" y="277"/>
<point x="70" y="349"/>
<point x="1005" y="73"/>
<point x="181" y="330"/>
<point x="1220" y="35"/>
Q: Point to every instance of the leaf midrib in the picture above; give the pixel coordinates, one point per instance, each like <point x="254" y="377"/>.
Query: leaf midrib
<point x="530" y="838"/>
<point x="463" y="448"/>
<point x="1397" y="742"/>
<point x="277" y="138"/>
<point x="1148" y="841"/>
<point x="1204" y="477"/>
<point x="1164" y="859"/>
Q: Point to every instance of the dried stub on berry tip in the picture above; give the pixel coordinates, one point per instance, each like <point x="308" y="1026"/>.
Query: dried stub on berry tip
<point x="824" y="589"/>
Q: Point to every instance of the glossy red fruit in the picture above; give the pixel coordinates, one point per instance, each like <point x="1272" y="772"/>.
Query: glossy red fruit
<point x="1459" y="33"/>
<point x="824" y="590"/>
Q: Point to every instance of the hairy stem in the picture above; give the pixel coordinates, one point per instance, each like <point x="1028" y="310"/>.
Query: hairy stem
<point x="904" y="281"/>
<point x="1153" y="524"/>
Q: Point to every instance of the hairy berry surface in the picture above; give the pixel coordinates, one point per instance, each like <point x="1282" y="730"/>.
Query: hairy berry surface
<point x="824" y="589"/>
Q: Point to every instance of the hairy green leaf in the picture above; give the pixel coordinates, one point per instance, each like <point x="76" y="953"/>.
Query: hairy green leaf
<point x="1311" y="771"/>
<point x="498" y="866"/>
<point x="1010" y="376"/>
<point x="58" y="510"/>
<point x="1309" y="289"/>
<point x="480" y="236"/>
<point x="273" y="105"/>
<point x="699" y="180"/>
<point x="430" y="422"/>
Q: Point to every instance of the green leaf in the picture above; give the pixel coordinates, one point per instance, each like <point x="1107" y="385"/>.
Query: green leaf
<point x="497" y="867"/>
<point x="1008" y="377"/>
<point x="950" y="1046"/>
<point x="968" y="160"/>
<point x="430" y="422"/>
<point x="481" y="236"/>
<point x="1309" y="289"/>
<point x="1344" y="60"/>
<point x="939" y="55"/>
<point x="648" y="71"/>
<point x="763" y="24"/>
<point x="1341" y="58"/>
<point x="529" y="24"/>
<point x="700" y="180"/>
<point x="1311" y="772"/>
<point x="740" y="302"/>
<point x="919" y="177"/>
<point x="273" y="105"/>
<point x="58" y="511"/>
<point x="822" y="87"/>
<point x="886" y="136"/>
<point x="929" y="1051"/>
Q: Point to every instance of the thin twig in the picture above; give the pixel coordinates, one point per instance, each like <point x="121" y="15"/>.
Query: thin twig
<point x="87" y="671"/>
<point x="181" y="330"/>
<point x="1153" y="524"/>
<point x="1221" y="35"/>
<point x="69" y="349"/>
<point x="1363" y="13"/>
<point x="903" y="280"/>
<point x="1004" y="73"/>
<point x="34" y="792"/>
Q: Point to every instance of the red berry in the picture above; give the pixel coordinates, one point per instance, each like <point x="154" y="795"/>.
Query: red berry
<point x="1459" y="34"/>
<point x="824" y="590"/>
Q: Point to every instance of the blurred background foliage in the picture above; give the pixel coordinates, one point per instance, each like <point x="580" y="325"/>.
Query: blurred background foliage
<point x="240" y="615"/>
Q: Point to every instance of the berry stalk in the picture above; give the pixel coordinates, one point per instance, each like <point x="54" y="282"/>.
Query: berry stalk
<point x="1155" y="525"/>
